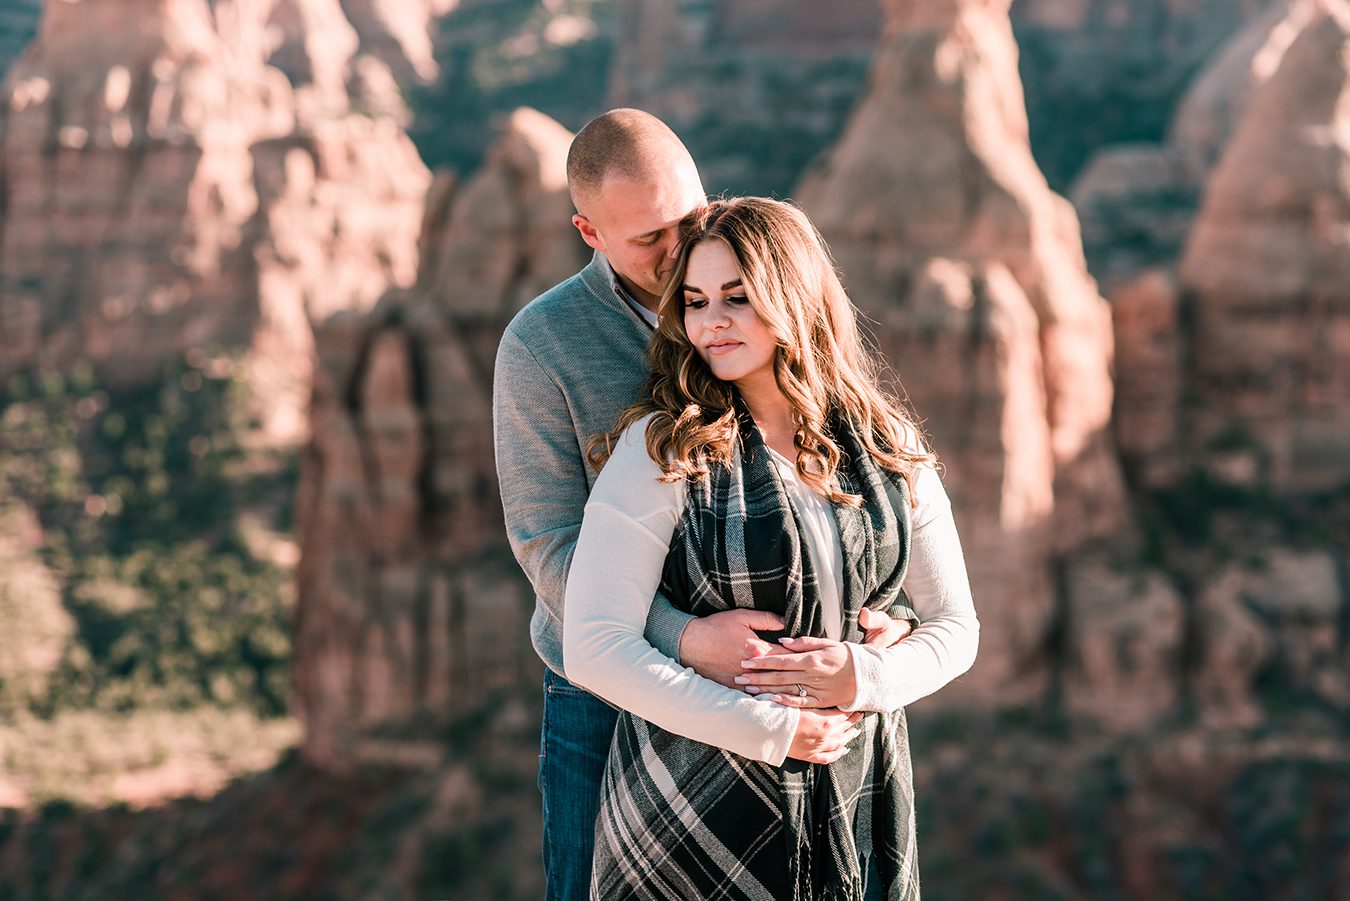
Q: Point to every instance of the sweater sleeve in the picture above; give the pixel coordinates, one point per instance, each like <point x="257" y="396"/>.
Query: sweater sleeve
<point x="945" y="642"/>
<point x="543" y="482"/>
<point x="625" y="537"/>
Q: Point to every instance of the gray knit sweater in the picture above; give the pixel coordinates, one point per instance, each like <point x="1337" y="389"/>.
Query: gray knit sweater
<point x="567" y="365"/>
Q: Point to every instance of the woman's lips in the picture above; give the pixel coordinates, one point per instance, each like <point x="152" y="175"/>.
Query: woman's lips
<point x="719" y="349"/>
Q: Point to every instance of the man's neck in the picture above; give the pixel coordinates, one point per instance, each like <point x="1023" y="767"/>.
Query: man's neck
<point x="650" y="301"/>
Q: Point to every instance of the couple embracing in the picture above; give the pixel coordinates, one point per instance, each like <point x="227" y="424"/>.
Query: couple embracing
<point x="744" y="560"/>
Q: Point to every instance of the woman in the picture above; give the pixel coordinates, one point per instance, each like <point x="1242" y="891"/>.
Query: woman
<point x="766" y="468"/>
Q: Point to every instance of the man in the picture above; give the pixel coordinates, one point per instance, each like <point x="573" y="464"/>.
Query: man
<point x="568" y="364"/>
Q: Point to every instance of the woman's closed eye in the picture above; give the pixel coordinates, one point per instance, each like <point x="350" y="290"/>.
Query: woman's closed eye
<point x="698" y="303"/>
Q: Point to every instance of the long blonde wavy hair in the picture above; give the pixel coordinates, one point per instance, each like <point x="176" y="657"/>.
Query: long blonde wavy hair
<point x="821" y="364"/>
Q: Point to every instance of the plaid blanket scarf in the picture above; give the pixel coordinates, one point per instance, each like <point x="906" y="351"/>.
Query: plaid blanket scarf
<point x="684" y="820"/>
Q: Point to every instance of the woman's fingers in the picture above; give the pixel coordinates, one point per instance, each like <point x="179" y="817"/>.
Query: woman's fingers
<point x="778" y="662"/>
<point x="807" y="643"/>
<point x="771" y="677"/>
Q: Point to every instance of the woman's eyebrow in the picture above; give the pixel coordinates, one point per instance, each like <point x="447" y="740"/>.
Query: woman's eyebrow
<point x="734" y="283"/>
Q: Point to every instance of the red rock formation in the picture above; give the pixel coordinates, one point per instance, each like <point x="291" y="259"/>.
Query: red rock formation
<point x="129" y="187"/>
<point x="1149" y="378"/>
<point x="756" y="89"/>
<point x="1209" y="112"/>
<point x="313" y="43"/>
<point x="166" y="190"/>
<point x="500" y="243"/>
<point x="399" y="34"/>
<point x="1105" y="72"/>
<point x="948" y="236"/>
<point x="1138" y="201"/>
<point x="1266" y="270"/>
<point x="409" y="599"/>
<point x="1138" y="205"/>
<point x="1124" y="641"/>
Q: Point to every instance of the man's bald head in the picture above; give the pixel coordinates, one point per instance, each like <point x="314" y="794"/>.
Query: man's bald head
<point x="632" y="182"/>
<point x="627" y="143"/>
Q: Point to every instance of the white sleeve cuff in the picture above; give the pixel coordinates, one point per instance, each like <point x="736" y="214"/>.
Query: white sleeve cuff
<point x="869" y="674"/>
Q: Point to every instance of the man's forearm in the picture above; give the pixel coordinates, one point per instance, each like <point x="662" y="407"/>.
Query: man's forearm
<point x="665" y="626"/>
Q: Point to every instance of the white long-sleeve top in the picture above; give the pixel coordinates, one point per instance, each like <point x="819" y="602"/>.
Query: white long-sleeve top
<point x="629" y="521"/>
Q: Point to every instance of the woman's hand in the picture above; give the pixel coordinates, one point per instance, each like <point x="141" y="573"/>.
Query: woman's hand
<point x="823" y="735"/>
<point x="804" y="672"/>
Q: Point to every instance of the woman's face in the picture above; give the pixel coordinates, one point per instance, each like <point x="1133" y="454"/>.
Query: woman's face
<point x="724" y="328"/>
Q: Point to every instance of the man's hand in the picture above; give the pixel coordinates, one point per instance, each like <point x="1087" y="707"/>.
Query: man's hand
<point x="822" y="736"/>
<point x="883" y="631"/>
<point x="715" y="645"/>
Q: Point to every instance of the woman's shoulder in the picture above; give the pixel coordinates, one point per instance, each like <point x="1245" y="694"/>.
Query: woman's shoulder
<point x="631" y="478"/>
<point x="629" y="454"/>
<point x="927" y="493"/>
<point x="911" y="440"/>
<point x="636" y="432"/>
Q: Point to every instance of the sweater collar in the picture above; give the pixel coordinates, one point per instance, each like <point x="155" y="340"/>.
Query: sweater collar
<point x="600" y="276"/>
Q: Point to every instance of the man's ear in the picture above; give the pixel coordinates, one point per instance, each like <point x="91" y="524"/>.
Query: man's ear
<point x="588" y="232"/>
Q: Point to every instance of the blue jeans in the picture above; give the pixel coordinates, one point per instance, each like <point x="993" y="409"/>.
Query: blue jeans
<point x="573" y="748"/>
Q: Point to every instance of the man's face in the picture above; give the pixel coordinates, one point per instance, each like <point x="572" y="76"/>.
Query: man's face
<point x="635" y="223"/>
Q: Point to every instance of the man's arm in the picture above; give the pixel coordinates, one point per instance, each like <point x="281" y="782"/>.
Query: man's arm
<point x="543" y="484"/>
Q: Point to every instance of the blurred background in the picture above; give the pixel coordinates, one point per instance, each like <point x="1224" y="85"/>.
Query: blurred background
<point x="260" y="632"/>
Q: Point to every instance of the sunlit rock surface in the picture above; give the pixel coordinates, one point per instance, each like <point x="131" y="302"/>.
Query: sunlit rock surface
<point x="1265" y="274"/>
<point x="410" y="601"/>
<point x="168" y="190"/>
<point x="949" y="238"/>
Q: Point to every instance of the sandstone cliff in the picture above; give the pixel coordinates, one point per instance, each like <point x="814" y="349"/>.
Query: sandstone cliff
<point x="756" y="89"/>
<point x="1265" y="273"/>
<point x="409" y="599"/>
<point x="951" y="241"/>
<point x="399" y="34"/>
<point x="1101" y="72"/>
<point x="1138" y="200"/>
<point x="1139" y="204"/>
<point x="164" y="189"/>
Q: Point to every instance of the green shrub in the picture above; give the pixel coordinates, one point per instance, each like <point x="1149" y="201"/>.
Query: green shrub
<point x="139" y="494"/>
